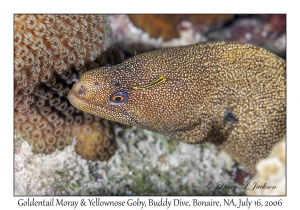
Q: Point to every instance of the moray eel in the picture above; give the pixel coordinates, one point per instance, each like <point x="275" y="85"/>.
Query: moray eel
<point x="227" y="93"/>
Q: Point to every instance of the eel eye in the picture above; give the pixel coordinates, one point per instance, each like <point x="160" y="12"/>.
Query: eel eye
<point x="118" y="98"/>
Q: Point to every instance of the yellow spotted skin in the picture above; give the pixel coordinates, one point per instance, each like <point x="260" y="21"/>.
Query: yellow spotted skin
<point x="227" y="93"/>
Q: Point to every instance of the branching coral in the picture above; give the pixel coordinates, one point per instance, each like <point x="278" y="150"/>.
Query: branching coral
<point x="50" y="51"/>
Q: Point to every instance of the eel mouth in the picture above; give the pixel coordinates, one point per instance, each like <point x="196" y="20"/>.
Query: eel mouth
<point x="77" y="100"/>
<point x="82" y="99"/>
<point x="106" y="113"/>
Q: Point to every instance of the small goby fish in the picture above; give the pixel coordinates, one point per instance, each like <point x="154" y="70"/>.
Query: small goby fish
<point x="227" y="93"/>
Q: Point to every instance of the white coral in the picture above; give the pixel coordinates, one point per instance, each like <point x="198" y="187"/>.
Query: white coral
<point x="272" y="172"/>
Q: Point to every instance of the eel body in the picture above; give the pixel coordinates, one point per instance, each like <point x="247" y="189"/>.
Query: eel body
<point x="227" y="93"/>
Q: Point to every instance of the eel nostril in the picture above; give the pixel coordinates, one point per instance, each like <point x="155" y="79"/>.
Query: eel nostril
<point x="81" y="91"/>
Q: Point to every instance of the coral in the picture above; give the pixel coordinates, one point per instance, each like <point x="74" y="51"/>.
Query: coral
<point x="50" y="52"/>
<point x="146" y="164"/>
<point x="132" y="40"/>
<point x="165" y="26"/>
<point x="92" y="144"/>
<point x="276" y="22"/>
<point x="265" y="31"/>
<point x="271" y="171"/>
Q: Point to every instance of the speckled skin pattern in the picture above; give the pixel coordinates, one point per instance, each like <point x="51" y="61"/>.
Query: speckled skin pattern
<point x="227" y="93"/>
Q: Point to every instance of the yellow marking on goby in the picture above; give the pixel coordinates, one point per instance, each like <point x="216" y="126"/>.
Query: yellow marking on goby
<point x="152" y="84"/>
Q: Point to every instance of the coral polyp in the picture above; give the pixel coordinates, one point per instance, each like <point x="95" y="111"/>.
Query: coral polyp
<point x="49" y="52"/>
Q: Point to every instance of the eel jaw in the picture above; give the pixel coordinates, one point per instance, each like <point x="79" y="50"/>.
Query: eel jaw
<point x="78" y="98"/>
<point x="82" y="99"/>
<point x="86" y="105"/>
